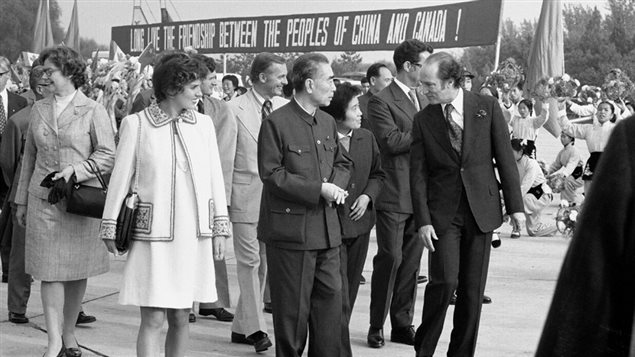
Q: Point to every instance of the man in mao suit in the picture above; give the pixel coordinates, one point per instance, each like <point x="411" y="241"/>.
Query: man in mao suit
<point x="304" y="173"/>
<point x="9" y="104"/>
<point x="226" y="136"/>
<point x="456" y="199"/>
<point x="269" y="75"/>
<point x="379" y="77"/>
<point x="396" y="265"/>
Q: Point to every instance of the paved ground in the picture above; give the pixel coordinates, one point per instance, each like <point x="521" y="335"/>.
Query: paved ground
<point x="521" y="281"/>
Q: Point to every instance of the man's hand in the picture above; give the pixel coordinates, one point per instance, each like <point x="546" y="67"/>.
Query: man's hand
<point x="20" y="215"/>
<point x="359" y="207"/>
<point x="427" y="234"/>
<point x="518" y="220"/>
<point x="332" y="193"/>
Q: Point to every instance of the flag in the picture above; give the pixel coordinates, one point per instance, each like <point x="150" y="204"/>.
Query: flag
<point x="546" y="55"/>
<point x="72" y="34"/>
<point x="147" y="56"/>
<point x="42" y="34"/>
<point x="93" y="66"/>
<point x="116" y="54"/>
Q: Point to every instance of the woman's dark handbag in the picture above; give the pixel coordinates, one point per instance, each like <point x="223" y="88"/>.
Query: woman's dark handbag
<point x="128" y="212"/>
<point x="87" y="200"/>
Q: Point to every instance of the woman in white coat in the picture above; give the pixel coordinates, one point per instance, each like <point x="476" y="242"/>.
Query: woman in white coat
<point x="181" y="219"/>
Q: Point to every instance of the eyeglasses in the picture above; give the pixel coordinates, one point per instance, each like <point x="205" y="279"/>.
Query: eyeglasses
<point x="49" y="71"/>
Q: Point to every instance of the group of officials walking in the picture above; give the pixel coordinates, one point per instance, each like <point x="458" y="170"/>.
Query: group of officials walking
<point x="292" y="181"/>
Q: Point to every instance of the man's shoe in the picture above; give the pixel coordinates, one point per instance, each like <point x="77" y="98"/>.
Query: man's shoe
<point x="422" y="279"/>
<point x="268" y="309"/>
<point x="260" y="340"/>
<point x="219" y="313"/>
<point x="18" y="318"/>
<point x="240" y="338"/>
<point x="191" y="318"/>
<point x="82" y="318"/>
<point x="487" y="299"/>
<point x="375" y="337"/>
<point x="405" y="335"/>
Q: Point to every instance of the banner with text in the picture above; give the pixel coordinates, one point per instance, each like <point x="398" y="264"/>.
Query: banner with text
<point x="464" y="24"/>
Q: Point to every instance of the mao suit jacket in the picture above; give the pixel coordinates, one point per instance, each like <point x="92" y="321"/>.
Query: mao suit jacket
<point x="391" y="113"/>
<point x="438" y="176"/>
<point x="246" y="186"/>
<point x="297" y="152"/>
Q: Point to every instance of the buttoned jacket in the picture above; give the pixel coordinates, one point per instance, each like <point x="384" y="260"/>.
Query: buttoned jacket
<point x="297" y="152"/>
<point x="11" y="149"/>
<point x="367" y="178"/>
<point x="81" y="132"/>
<point x="156" y="150"/>
<point x="391" y="113"/>
<point x="246" y="189"/>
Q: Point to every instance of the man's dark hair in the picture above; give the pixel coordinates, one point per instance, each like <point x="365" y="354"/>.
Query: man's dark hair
<point x="68" y="61"/>
<point x="262" y="62"/>
<point x="529" y="104"/>
<point x="342" y="97"/>
<point x="304" y="68"/>
<point x="231" y="78"/>
<point x="517" y="145"/>
<point x="449" y="68"/>
<point x="408" y="51"/>
<point x="373" y="70"/>
<point x="172" y="75"/>
<point x="364" y="80"/>
<point x="207" y="61"/>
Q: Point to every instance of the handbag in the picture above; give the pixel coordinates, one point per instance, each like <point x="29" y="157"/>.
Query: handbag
<point x="128" y="212"/>
<point x="86" y="200"/>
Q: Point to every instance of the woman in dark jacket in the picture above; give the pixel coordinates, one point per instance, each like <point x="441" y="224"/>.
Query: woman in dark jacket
<point x="357" y="214"/>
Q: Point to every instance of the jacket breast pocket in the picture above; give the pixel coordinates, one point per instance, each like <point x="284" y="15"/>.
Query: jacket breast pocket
<point x="298" y="158"/>
<point x="288" y="222"/>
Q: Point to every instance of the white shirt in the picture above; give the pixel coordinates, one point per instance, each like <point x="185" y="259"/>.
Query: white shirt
<point x="403" y="87"/>
<point x="62" y="102"/>
<point x="457" y="112"/>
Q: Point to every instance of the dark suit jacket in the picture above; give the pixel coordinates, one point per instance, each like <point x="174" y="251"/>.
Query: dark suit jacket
<point x="15" y="103"/>
<point x="363" y="106"/>
<point x="297" y="152"/>
<point x="11" y="148"/>
<point x="142" y="101"/>
<point x="367" y="178"/>
<point x="438" y="176"/>
<point x="391" y="113"/>
<point x="593" y="304"/>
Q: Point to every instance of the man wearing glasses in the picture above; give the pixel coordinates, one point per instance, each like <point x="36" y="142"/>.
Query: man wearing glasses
<point x="396" y="265"/>
<point x="9" y="104"/>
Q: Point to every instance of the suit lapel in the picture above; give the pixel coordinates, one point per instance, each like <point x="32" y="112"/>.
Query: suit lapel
<point x="439" y="129"/>
<point x="76" y="108"/>
<point x="251" y="115"/>
<point x="402" y="101"/>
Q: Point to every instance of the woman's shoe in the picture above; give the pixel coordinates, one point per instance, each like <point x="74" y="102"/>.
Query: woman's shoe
<point x="73" y="352"/>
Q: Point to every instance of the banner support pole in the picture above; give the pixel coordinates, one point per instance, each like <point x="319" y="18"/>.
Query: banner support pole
<point x="498" y="40"/>
<point x="224" y="63"/>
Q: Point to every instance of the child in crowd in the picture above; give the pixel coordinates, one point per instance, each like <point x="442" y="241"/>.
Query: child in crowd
<point x="525" y="124"/>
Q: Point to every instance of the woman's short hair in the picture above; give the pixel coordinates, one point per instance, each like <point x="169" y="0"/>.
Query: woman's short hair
<point x="342" y="97"/>
<point x="231" y="78"/>
<point x="517" y="145"/>
<point x="528" y="103"/>
<point x="68" y="61"/>
<point x="172" y="75"/>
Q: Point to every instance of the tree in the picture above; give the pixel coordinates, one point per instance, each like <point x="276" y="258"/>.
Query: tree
<point x="17" y="21"/>
<point x="88" y="45"/>
<point x="349" y="61"/>
<point x="620" y="23"/>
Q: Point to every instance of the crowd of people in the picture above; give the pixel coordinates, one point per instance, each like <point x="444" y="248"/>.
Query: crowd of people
<point x="297" y="172"/>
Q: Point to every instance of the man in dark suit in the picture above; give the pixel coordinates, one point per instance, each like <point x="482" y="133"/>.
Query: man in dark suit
<point x="9" y="104"/>
<point x="396" y="265"/>
<point x="379" y="77"/>
<point x="456" y="199"/>
<point x="304" y="173"/>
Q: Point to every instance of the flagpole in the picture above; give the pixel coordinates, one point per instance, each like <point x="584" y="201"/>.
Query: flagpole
<point x="498" y="40"/>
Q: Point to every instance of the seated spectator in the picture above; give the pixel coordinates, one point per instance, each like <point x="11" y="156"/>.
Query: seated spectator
<point x="568" y="168"/>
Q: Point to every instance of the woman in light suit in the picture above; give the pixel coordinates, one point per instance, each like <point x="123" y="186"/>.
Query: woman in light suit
<point x="63" y="249"/>
<point x="170" y="151"/>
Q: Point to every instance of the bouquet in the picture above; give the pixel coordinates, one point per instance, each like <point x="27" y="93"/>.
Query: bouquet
<point x="556" y="182"/>
<point x="617" y="85"/>
<point x="566" y="219"/>
<point x="508" y="75"/>
<point x="556" y="87"/>
<point x="589" y="94"/>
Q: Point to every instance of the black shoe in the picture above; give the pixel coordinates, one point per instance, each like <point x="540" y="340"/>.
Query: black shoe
<point x="219" y="313"/>
<point x="487" y="299"/>
<point x="192" y="318"/>
<point x="82" y="318"/>
<point x="240" y="338"/>
<point x="5" y="278"/>
<point x="73" y="352"/>
<point x="259" y="340"/>
<point x="405" y="335"/>
<point x="422" y="279"/>
<point x="362" y="280"/>
<point x="18" y="318"/>
<point x="375" y="337"/>
<point x="268" y="309"/>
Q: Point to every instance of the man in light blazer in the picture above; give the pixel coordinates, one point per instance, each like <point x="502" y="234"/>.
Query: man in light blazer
<point x="396" y="265"/>
<point x="456" y="200"/>
<point x="269" y="75"/>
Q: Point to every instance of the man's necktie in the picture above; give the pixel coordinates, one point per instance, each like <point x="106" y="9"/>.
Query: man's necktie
<point x="346" y="142"/>
<point x="413" y="98"/>
<point x="267" y="108"/>
<point x="3" y="117"/>
<point x="454" y="130"/>
<point x="200" y="107"/>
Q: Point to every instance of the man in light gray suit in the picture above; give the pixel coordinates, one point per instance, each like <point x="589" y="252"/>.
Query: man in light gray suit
<point x="269" y="75"/>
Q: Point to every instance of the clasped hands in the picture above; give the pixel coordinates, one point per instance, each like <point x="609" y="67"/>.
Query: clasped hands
<point x="333" y="193"/>
<point x="427" y="234"/>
